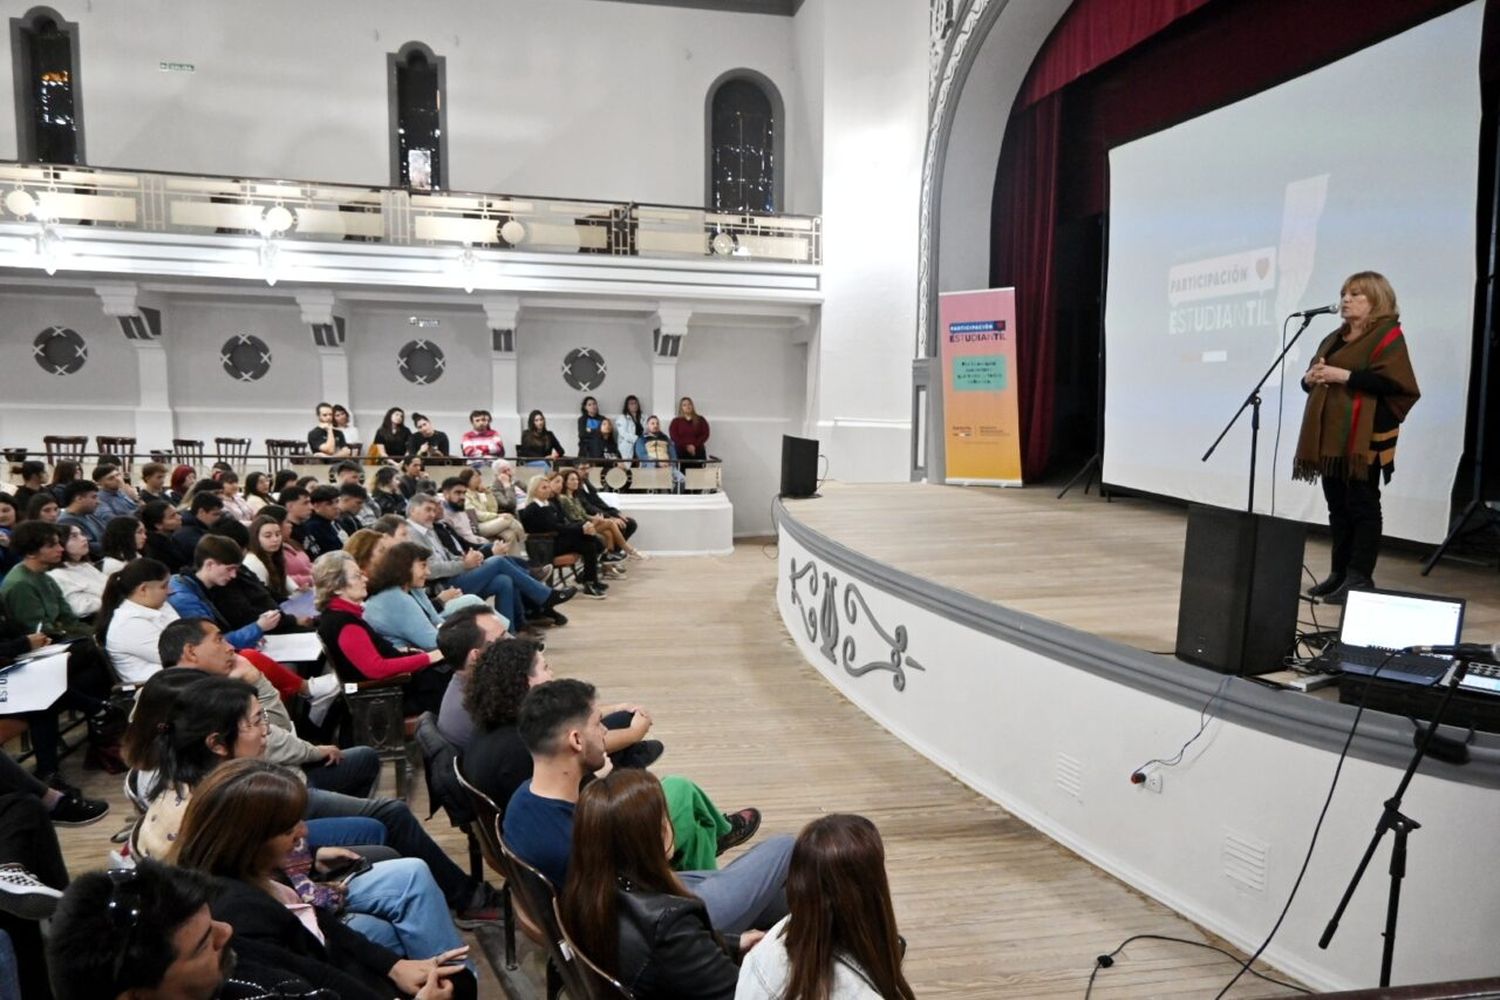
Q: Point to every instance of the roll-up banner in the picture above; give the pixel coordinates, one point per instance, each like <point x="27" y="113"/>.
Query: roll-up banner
<point x="981" y="411"/>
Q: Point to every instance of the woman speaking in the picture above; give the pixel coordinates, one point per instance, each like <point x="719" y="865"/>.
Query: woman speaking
<point x="1360" y="388"/>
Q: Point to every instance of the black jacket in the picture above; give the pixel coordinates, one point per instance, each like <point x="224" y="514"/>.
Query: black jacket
<point x="165" y="550"/>
<point x="318" y="535"/>
<point x="668" y="948"/>
<point x="533" y="445"/>
<point x="435" y="445"/>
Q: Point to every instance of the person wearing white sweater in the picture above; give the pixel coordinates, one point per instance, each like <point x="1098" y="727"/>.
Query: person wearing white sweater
<point x="134" y="615"/>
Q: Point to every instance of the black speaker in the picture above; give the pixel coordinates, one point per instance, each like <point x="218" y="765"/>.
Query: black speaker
<point x="799" y="466"/>
<point x="1241" y="577"/>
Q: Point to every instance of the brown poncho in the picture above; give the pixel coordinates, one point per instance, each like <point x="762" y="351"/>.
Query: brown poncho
<point x="1341" y="436"/>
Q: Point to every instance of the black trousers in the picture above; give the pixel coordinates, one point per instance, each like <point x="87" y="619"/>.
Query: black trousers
<point x="28" y="839"/>
<point x="1356" y="522"/>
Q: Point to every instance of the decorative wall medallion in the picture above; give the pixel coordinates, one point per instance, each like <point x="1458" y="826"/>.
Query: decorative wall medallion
<point x="584" y="369"/>
<point x="825" y="622"/>
<point x="246" y="358"/>
<point x="421" y="361"/>
<point x="59" y="350"/>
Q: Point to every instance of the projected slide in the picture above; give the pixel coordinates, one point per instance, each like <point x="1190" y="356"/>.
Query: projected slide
<point x="1222" y="226"/>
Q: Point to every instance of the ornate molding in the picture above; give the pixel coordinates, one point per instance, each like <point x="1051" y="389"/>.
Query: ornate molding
<point x="825" y="623"/>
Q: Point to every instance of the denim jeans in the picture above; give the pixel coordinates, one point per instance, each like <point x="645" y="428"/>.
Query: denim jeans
<point x="398" y="905"/>
<point x="403" y="832"/>
<point x="344" y="831"/>
<point x="355" y="775"/>
<point x="489" y="579"/>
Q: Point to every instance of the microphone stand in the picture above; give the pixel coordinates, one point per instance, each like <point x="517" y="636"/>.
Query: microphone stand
<point x="1391" y="818"/>
<point x="1252" y="401"/>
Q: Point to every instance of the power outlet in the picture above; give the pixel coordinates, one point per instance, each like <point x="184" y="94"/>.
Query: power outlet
<point x="1153" y="782"/>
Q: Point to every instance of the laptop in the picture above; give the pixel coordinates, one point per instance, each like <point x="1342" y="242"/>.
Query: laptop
<point x="1376" y="622"/>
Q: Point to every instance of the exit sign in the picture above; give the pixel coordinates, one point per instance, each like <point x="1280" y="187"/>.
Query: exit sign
<point x="176" y="67"/>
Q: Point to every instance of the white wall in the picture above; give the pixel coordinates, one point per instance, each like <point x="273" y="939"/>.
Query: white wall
<point x="569" y="97"/>
<point x="373" y="344"/>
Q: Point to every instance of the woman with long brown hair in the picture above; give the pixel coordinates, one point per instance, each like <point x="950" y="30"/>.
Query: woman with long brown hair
<point x="840" y="940"/>
<point x="625" y="907"/>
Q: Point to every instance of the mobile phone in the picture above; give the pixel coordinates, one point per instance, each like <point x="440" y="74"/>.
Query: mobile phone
<point x="344" y="869"/>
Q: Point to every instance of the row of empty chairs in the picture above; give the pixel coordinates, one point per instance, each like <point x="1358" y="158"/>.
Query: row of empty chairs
<point x="235" y="451"/>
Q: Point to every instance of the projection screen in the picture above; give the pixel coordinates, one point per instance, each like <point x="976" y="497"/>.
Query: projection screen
<point x="1223" y="225"/>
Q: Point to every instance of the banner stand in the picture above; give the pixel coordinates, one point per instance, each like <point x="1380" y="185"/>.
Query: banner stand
<point x="981" y="404"/>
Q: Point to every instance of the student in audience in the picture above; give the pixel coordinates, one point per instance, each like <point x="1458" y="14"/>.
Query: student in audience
<point x="689" y="432"/>
<point x="31" y="594"/>
<point x="215" y="562"/>
<point x="298" y="563"/>
<point x="343" y="420"/>
<point x="124" y="540"/>
<point x="153" y="483"/>
<point x="398" y="607"/>
<point x="385" y="491"/>
<point x="257" y="492"/>
<point x="356" y="650"/>
<point x="481" y="443"/>
<point x="319" y="533"/>
<point x="654" y="446"/>
<point x="80" y="508"/>
<point x="413" y="477"/>
<point x="205" y="510"/>
<point x="79" y="579"/>
<point x="354" y="509"/>
<point x="609" y="442"/>
<point x="611" y="529"/>
<point x="183" y="478"/>
<point x="266" y="559"/>
<point x="595" y="505"/>
<point x="537" y="442"/>
<point x="840" y="940"/>
<point x="242" y="822"/>
<point x="132" y="617"/>
<point x="279" y="482"/>
<point x="393" y="434"/>
<point x="395" y="525"/>
<point x="297" y="501"/>
<point x="493" y="513"/>
<point x="626" y="909"/>
<point x="542" y="517"/>
<point x="367" y="545"/>
<point x="43" y="507"/>
<point x="161" y="521"/>
<point x="32" y="474"/>
<point x="426" y="439"/>
<point x="564" y="731"/>
<point x="325" y="440"/>
<point x="457" y="516"/>
<point x="116" y="497"/>
<point x="8" y="520"/>
<point x="463" y="638"/>
<point x="630" y="425"/>
<point x="64" y="472"/>
<point x="589" y="422"/>
<point x="244" y="599"/>
<point x="235" y="505"/>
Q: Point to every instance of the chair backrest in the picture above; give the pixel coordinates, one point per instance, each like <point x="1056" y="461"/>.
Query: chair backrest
<point x="187" y="451"/>
<point x="487" y="817"/>
<point x="61" y="446"/>
<point x="601" y="984"/>
<point x="234" y="451"/>
<point x="122" y="448"/>
<point x="279" y="452"/>
<point x="537" y="902"/>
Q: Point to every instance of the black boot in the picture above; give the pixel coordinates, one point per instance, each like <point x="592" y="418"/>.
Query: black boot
<point x="1354" y="581"/>
<point x="1333" y="582"/>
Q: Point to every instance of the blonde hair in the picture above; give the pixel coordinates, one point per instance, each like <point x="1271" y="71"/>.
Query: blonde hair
<point x="330" y="575"/>
<point x="533" y="486"/>
<point x="1373" y="286"/>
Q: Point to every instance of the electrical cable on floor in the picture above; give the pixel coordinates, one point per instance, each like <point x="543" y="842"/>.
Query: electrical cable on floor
<point x="1106" y="961"/>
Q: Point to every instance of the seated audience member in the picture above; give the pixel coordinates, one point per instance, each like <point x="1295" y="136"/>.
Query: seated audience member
<point x="463" y="638"/>
<point x="198" y="644"/>
<point x="413" y="477"/>
<point x="326" y="440"/>
<point x="174" y="948"/>
<point x="161" y="521"/>
<point x="266" y="558"/>
<point x="153" y="483"/>
<point x="494" y="513"/>
<point x="476" y="571"/>
<point x="456" y="515"/>
<point x="542" y="517"/>
<point x="116" y="497"/>
<point x="319" y="533"/>
<point x="240" y="826"/>
<point x="8" y="520"/>
<point x="32" y="877"/>
<point x="609" y="441"/>
<point x="32" y="474"/>
<point x="626" y="909"/>
<point x="570" y="498"/>
<point x="297" y="502"/>
<point x="426" y="439"/>
<point x="589" y="422"/>
<point x="205" y="510"/>
<point x="80" y="508"/>
<point x="347" y="471"/>
<point x="31" y="594"/>
<point x="124" y="540"/>
<point x="298" y="563"/>
<point x="398" y="607"/>
<point x="385" y="491"/>
<point x="257" y="492"/>
<point x="839" y="940"/>
<point x="343" y="420"/>
<point x="630" y="425"/>
<point x="594" y="504"/>
<point x="393" y="434"/>
<point x="133" y="615"/>
<point x="537" y="442"/>
<point x="367" y="545"/>
<point x="280" y="481"/>
<point x="184" y="477"/>
<point x="564" y="731"/>
<point x="215" y="562"/>
<point x="81" y="582"/>
<point x="689" y="432"/>
<point x="353" y="510"/>
<point x="43" y="507"/>
<point x="356" y="650"/>
<point x="481" y="443"/>
<point x="244" y="599"/>
<point x="63" y="473"/>
<point x="235" y="505"/>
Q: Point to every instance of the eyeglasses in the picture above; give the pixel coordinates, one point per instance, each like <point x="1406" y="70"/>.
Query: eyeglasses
<point x="259" y="722"/>
<point x="124" y="909"/>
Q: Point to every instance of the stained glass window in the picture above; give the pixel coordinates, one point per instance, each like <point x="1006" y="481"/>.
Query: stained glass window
<point x="742" y="149"/>
<point x="50" y="130"/>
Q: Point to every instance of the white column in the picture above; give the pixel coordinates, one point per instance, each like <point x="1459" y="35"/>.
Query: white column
<point x="155" y="423"/>
<point x="667" y="337"/>
<point x="318" y="307"/>
<point x="502" y="314"/>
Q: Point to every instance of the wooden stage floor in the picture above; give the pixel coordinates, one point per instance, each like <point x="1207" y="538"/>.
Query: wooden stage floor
<point x="1112" y="569"/>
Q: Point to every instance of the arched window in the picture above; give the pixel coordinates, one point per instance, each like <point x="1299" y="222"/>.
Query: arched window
<point x="419" y="116"/>
<point x="745" y="132"/>
<point x="49" y="110"/>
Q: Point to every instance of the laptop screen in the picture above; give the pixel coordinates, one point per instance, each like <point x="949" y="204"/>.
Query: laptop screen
<point x="1394" y="621"/>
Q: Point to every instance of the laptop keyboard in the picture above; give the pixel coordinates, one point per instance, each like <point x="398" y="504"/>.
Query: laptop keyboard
<point x="1408" y="663"/>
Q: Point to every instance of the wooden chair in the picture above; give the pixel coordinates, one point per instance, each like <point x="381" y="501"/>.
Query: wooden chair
<point x="233" y="451"/>
<point x="536" y="900"/>
<point x="373" y="717"/>
<point x="485" y="829"/>
<point x="60" y="447"/>
<point x="122" y="448"/>
<point x="601" y="984"/>
<point x="541" y="549"/>
<point x="187" y="451"/>
<point x="281" y="452"/>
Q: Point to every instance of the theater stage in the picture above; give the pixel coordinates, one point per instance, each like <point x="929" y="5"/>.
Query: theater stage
<point x="1023" y="644"/>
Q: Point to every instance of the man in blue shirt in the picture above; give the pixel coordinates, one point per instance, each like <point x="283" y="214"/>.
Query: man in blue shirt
<point x="563" y="728"/>
<point x="116" y="499"/>
<point x="81" y="503"/>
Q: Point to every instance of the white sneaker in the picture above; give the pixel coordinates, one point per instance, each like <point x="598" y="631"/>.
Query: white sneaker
<point x="24" y="895"/>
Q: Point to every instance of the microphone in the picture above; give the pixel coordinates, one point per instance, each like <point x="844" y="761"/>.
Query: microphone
<point x="1484" y="652"/>
<point x="1320" y="311"/>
